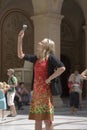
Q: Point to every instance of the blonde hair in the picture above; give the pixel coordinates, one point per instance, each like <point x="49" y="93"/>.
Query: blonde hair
<point x="3" y="85"/>
<point x="48" y="47"/>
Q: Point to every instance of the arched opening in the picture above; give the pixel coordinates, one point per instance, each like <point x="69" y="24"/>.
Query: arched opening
<point x="72" y="40"/>
<point x="9" y="33"/>
<point x="65" y="75"/>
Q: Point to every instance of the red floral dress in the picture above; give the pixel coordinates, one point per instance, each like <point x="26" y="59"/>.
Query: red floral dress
<point x="41" y="107"/>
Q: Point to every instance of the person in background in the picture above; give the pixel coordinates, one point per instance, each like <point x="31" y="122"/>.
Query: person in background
<point x="23" y="92"/>
<point x="30" y="96"/>
<point x="12" y="81"/>
<point x="18" y="101"/>
<point x="75" y="90"/>
<point x="3" y="106"/>
<point x="41" y="106"/>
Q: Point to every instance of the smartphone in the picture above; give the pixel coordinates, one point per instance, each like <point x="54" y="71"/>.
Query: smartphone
<point x="24" y="27"/>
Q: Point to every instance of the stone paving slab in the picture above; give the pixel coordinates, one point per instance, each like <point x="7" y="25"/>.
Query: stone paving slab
<point x="60" y="123"/>
<point x="62" y="120"/>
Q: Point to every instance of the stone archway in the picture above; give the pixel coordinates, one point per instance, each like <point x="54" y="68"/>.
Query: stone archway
<point x="12" y="23"/>
<point x="65" y="75"/>
<point x="72" y="35"/>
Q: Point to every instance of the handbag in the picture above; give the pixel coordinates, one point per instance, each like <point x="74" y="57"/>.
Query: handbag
<point x="56" y="87"/>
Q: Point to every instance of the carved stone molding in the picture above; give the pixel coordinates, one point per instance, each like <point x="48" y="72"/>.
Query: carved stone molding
<point x="46" y="6"/>
<point x="48" y="15"/>
<point x="12" y="24"/>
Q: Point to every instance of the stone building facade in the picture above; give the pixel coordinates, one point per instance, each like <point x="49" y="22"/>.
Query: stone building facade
<point x="64" y="21"/>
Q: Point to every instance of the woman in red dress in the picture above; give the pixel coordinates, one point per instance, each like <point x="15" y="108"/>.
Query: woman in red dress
<point x="41" y="107"/>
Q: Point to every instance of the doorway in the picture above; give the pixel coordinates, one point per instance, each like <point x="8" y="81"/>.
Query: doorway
<point x="65" y="75"/>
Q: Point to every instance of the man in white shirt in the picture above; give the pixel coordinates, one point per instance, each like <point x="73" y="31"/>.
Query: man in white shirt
<point x="77" y="81"/>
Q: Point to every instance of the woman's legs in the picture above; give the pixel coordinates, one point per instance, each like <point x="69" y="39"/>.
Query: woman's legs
<point x="80" y="101"/>
<point x="76" y="103"/>
<point x="38" y="125"/>
<point x="49" y="125"/>
<point x="3" y="113"/>
<point x="13" y="110"/>
<point x="72" y="110"/>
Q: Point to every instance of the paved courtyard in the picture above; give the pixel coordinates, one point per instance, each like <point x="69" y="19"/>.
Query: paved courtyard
<point x="63" y="120"/>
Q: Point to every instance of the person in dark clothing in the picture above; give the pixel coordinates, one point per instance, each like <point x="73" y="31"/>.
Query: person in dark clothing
<point x="18" y="101"/>
<point x="23" y="92"/>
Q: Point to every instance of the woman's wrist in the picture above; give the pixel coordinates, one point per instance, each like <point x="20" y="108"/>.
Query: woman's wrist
<point x="19" y="36"/>
<point x="49" y="79"/>
<point x="19" y="39"/>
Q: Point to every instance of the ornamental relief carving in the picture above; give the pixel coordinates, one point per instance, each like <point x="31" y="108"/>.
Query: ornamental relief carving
<point x="12" y="24"/>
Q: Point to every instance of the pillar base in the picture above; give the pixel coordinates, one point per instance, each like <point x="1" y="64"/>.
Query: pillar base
<point x="57" y="101"/>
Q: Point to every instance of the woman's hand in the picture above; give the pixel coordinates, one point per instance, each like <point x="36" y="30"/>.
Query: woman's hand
<point x="84" y="77"/>
<point x="47" y="81"/>
<point x="8" y="86"/>
<point x="20" y="99"/>
<point x="21" y="34"/>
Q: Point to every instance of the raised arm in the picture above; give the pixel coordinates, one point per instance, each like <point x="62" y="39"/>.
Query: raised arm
<point x="84" y="74"/>
<point x="20" y="38"/>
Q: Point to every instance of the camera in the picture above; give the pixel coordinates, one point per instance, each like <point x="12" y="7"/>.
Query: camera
<point x="24" y="27"/>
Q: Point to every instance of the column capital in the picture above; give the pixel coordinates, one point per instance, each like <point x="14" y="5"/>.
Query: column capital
<point x="47" y="25"/>
<point x="45" y="6"/>
<point x="48" y="16"/>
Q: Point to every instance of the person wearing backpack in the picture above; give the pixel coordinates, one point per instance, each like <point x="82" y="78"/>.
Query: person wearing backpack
<point x="12" y="81"/>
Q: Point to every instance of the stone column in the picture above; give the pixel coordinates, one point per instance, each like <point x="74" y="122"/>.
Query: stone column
<point x="47" y="21"/>
<point x="85" y="29"/>
<point x="47" y="26"/>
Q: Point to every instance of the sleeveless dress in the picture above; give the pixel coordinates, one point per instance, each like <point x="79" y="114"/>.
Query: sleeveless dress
<point x="3" y="105"/>
<point x="41" y="107"/>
